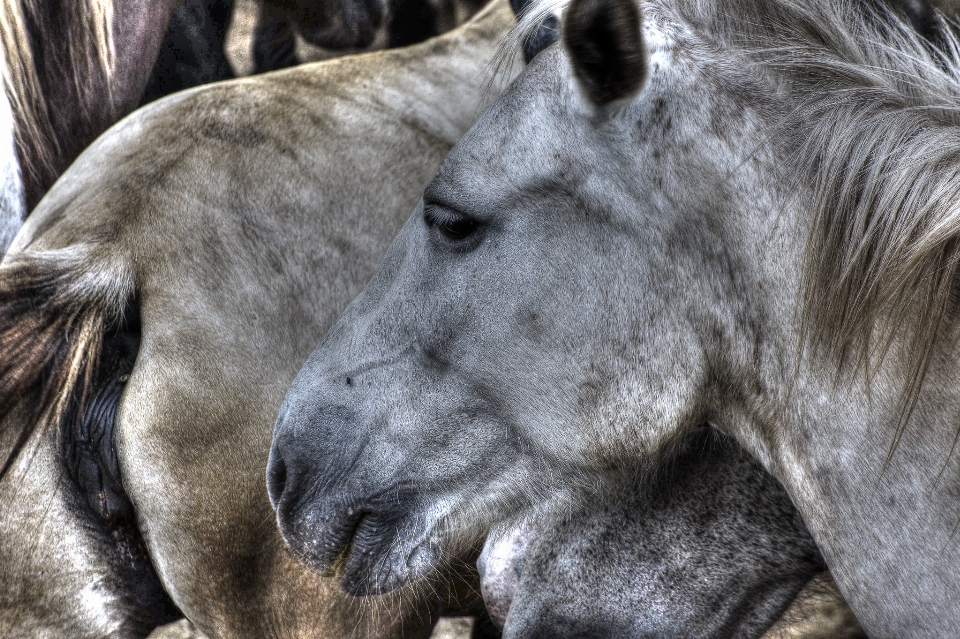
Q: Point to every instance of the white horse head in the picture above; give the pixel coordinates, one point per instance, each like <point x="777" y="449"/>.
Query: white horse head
<point x="737" y="212"/>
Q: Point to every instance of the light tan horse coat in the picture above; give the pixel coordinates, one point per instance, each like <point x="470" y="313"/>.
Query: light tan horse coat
<point x="236" y="218"/>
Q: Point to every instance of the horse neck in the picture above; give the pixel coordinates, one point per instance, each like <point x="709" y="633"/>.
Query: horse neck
<point x="884" y="517"/>
<point x="448" y="81"/>
<point x="886" y="524"/>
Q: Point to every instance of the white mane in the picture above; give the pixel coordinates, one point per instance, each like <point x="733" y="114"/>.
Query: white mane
<point x="876" y="125"/>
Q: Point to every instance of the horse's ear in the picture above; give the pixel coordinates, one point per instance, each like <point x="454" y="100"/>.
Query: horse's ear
<point x="605" y="45"/>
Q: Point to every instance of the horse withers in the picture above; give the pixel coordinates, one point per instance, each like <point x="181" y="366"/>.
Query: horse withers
<point x="735" y="212"/>
<point x="155" y="307"/>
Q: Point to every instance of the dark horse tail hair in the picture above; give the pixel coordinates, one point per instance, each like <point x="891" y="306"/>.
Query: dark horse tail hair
<point x="69" y="334"/>
<point x="55" y="308"/>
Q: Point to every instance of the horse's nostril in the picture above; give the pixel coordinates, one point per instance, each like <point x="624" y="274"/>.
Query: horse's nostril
<point x="276" y="478"/>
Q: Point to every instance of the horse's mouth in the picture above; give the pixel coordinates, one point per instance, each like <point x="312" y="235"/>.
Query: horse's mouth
<point x="369" y="553"/>
<point x="342" y="547"/>
<point x="380" y="558"/>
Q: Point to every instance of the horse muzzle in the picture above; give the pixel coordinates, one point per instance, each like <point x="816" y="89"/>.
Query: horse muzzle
<point x="367" y="548"/>
<point x="339" y="520"/>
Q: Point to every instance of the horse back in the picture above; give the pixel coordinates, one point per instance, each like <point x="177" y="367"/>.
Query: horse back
<point x="224" y="284"/>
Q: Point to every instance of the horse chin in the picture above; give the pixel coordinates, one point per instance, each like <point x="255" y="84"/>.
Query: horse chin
<point x="368" y="554"/>
<point x="369" y="571"/>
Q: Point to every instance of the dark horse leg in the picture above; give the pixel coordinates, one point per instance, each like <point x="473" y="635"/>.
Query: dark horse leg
<point x="193" y="49"/>
<point x="274" y="41"/>
<point x="411" y="21"/>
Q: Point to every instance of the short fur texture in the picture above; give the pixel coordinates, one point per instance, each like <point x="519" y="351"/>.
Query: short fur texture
<point x="711" y="548"/>
<point x="233" y="282"/>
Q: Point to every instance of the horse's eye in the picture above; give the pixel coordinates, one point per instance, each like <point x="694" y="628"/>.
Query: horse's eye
<point x="457" y="229"/>
<point x="454" y="226"/>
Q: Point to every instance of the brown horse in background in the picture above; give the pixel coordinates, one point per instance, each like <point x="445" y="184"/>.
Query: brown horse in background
<point x="74" y="67"/>
<point x="222" y="285"/>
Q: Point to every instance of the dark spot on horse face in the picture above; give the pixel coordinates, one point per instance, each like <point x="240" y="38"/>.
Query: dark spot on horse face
<point x="530" y="324"/>
<point x="659" y="107"/>
<point x="243" y="135"/>
<point x="661" y="118"/>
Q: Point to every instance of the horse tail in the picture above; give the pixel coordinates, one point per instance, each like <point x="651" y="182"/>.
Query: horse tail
<point x="73" y="41"/>
<point x="55" y="308"/>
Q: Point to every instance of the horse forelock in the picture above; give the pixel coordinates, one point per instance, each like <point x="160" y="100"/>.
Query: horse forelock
<point x="76" y="38"/>
<point x="874" y="119"/>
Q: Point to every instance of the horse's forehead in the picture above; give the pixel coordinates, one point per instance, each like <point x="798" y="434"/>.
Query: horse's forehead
<point x="537" y="129"/>
<point x="522" y="134"/>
